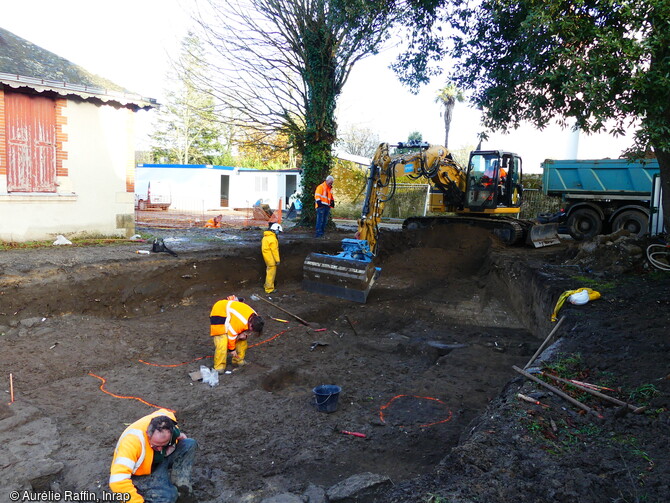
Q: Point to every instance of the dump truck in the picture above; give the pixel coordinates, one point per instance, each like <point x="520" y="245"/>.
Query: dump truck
<point x="601" y="196"/>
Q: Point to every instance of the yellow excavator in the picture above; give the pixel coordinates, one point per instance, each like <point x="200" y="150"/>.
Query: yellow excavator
<point x="487" y="194"/>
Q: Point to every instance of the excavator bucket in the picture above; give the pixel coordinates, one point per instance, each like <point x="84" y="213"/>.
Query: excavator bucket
<point x="348" y="275"/>
<point x="540" y="235"/>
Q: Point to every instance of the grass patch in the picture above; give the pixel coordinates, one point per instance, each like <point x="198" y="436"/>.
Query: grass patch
<point x="595" y="284"/>
<point x="435" y="498"/>
<point x="82" y="240"/>
<point x="643" y="394"/>
<point x="633" y="447"/>
<point x="559" y="437"/>
<point x="567" y="366"/>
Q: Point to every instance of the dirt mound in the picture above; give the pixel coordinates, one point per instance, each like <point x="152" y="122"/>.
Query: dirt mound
<point x="611" y="254"/>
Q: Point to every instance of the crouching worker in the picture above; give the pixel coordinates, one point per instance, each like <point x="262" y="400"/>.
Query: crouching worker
<point x="153" y="460"/>
<point x="231" y="322"/>
<point x="270" y="250"/>
<point x="214" y="223"/>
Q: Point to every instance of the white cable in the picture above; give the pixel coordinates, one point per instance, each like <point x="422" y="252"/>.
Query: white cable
<point x="656" y="252"/>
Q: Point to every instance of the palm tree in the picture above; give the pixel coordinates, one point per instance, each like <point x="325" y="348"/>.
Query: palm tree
<point x="448" y="96"/>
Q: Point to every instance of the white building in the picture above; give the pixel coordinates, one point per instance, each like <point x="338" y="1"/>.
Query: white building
<point x="67" y="148"/>
<point x="200" y="187"/>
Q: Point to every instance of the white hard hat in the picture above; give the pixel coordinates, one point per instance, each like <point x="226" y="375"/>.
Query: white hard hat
<point x="276" y="228"/>
<point x="579" y="298"/>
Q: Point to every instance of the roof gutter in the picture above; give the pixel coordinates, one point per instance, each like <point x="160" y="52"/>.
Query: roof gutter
<point x="85" y="92"/>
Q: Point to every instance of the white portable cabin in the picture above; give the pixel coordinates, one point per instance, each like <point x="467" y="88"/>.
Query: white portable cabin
<point x="202" y="187"/>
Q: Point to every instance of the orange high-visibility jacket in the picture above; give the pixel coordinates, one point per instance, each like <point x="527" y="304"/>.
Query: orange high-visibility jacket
<point x="323" y="195"/>
<point x="230" y="317"/>
<point x="133" y="456"/>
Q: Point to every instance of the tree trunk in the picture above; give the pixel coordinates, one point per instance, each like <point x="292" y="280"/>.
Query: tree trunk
<point x="316" y="163"/>
<point x="320" y="101"/>
<point x="448" y="112"/>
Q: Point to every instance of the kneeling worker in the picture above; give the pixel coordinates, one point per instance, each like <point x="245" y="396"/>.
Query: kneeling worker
<point x="231" y="322"/>
<point x="214" y="223"/>
<point x="145" y="454"/>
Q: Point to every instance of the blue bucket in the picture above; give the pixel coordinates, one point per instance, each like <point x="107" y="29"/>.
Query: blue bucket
<point x="325" y="397"/>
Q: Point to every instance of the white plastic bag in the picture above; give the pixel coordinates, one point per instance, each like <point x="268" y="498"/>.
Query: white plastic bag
<point x="62" y="240"/>
<point x="579" y="298"/>
<point x="209" y="376"/>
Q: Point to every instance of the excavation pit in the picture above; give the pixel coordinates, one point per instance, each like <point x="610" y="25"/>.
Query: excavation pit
<point x="94" y="344"/>
<point x="142" y="326"/>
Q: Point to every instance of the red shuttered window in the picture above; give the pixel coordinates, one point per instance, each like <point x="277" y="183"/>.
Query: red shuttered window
<point x="31" y="143"/>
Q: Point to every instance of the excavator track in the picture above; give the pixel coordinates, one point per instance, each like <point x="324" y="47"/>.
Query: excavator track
<point x="510" y="231"/>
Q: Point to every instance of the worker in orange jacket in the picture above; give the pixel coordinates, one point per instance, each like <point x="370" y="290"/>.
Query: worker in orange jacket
<point x="270" y="250"/>
<point x="145" y="454"/>
<point x="231" y="322"/>
<point x="214" y="223"/>
<point x="323" y="202"/>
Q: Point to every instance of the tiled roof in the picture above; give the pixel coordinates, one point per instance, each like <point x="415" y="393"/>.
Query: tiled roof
<point x="24" y="64"/>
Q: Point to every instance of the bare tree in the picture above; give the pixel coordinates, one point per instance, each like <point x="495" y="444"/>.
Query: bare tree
<point x="448" y="96"/>
<point x="281" y="66"/>
<point x="357" y="140"/>
<point x="186" y="129"/>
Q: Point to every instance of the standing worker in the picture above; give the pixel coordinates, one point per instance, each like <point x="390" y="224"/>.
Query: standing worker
<point x="270" y="249"/>
<point x="231" y="322"/>
<point x="323" y="202"/>
<point x="145" y="454"/>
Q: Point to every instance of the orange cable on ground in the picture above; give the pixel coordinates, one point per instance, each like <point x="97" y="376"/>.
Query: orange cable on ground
<point x="11" y="389"/>
<point x="381" y="409"/>
<point x="268" y="340"/>
<point x="202" y="357"/>
<point x="173" y="365"/>
<point x="102" y="388"/>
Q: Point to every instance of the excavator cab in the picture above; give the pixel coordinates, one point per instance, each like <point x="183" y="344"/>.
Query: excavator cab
<point x="494" y="182"/>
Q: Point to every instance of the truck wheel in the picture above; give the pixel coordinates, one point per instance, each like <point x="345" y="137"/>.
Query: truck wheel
<point x="141" y="205"/>
<point x="636" y="222"/>
<point x="584" y="224"/>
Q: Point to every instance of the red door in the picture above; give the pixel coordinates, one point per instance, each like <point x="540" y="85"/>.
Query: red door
<point x="31" y="143"/>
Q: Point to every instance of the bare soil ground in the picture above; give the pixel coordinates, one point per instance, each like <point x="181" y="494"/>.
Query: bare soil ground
<point x="425" y="370"/>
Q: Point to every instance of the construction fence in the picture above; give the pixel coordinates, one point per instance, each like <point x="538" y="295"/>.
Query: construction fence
<point x="535" y="202"/>
<point x="409" y="200"/>
<point x="238" y="218"/>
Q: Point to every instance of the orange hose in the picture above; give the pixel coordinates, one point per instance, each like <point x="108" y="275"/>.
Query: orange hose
<point x="102" y="388"/>
<point x="381" y="409"/>
<point x="268" y="340"/>
<point x="201" y="357"/>
<point x="173" y="365"/>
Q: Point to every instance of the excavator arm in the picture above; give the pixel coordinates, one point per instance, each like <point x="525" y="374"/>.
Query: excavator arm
<point x="351" y="273"/>
<point x="432" y="162"/>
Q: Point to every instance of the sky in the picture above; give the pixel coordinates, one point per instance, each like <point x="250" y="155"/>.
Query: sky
<point x="129" y="43"/>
